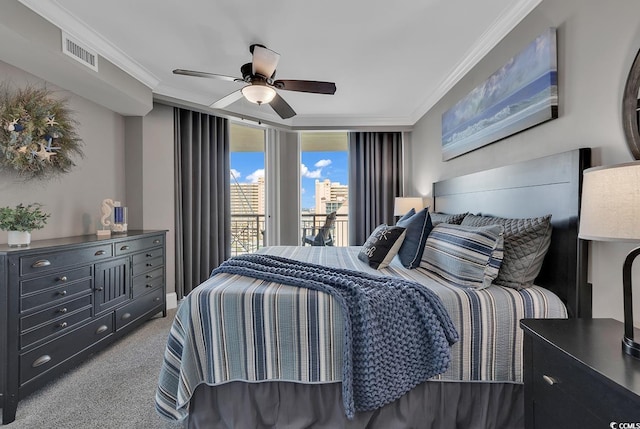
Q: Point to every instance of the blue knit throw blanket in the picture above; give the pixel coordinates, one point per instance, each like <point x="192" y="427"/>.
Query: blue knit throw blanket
<point x="397" y="333"/>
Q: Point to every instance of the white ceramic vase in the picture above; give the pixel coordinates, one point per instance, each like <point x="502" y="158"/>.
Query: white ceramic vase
<point x="19" y="238"/>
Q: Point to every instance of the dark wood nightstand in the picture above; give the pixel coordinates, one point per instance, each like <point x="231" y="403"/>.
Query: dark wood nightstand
<point x="576" y="375"/>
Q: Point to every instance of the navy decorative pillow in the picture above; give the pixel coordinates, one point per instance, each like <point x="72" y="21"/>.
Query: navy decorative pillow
<point x="382" y="245"/>
<point x="464" y="255"/>
<point x="418" y="228"/>
<point x="407" y="215"/>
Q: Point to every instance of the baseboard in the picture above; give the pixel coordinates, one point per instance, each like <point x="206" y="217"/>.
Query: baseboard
<point x="172" y="300"/>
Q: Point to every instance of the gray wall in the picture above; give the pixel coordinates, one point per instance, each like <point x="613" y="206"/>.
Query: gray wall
<point x="73" y="199"/>
<point x="597" y="42"/>
<point x="157" y="197"/>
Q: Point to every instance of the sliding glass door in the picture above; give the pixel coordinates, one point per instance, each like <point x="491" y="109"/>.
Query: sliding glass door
<point x="324" y="184"/>
<point x="248" y="188"/>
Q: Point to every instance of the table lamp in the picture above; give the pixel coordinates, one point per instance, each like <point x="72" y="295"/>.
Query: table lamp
<point x="611" y="212"/>
<point x="403" y="204"/>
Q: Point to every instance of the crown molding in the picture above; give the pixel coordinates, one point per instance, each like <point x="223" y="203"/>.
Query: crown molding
<point x="506" y="22"/>
<point x="61" y="18"/>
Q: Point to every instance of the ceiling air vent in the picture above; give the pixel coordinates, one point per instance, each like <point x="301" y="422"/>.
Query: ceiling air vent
<point x="78" y="52"/>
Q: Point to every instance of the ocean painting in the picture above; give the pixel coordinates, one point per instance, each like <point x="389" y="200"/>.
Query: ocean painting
<point x="521" y="94"/>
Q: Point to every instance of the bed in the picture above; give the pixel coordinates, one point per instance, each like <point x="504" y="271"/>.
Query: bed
<point x="258" y="352"/>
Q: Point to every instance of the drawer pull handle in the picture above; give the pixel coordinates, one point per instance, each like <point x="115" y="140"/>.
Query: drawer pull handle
<point x="148" y="285"/>
<point x="63" y="310"/>
<point x="149" y="255"/>
<point x="101" y="329"/>
<point x="62" y="293"/>
<point x="549" y="380"/>
<point x="41" y="361"/>
<point x="41" y="263"/>
<point x="63" y="325"/>
<point x="157" y="299"/>
<point x="125" y="316"/>
<point x="100" y="253"/>
<point x="149" y="276"/>
<point x="63" y="279"/>
<point x="149" y="265"/>
<point x="156" y="241"/>
<point x="99" y="289"/>
<point x="125" y="248"/>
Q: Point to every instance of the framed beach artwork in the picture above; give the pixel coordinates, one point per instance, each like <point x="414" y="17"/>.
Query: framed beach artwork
<point x="521" y="94"/>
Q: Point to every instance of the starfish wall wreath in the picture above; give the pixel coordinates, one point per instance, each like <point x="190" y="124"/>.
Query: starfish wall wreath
<point x="37" y="135"/>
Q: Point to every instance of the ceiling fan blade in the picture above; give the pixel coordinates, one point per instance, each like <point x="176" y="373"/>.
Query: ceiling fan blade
<point x="282" y="108"/>
<point x="265" y="60"/>
<point x="206" y="74"/>
<point x="227" y="100"/>
<point x="313" y="86"/>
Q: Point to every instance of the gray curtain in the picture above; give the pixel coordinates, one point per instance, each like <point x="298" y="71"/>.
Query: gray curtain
<point x="375" y="179"/>
<point x="203" y="210"/>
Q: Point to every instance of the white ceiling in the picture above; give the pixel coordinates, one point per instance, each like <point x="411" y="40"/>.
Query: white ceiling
<point x="391" y="60"/>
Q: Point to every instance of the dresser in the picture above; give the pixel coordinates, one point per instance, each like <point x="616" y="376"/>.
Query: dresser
<point x="62" y="300"/>
<point x="576" y="375"/>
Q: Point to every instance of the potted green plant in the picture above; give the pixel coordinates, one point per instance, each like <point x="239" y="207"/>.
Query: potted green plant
<point x="20" y="221"/>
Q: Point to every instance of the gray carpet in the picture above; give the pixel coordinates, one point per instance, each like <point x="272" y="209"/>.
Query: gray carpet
<point x="112" y="389"/>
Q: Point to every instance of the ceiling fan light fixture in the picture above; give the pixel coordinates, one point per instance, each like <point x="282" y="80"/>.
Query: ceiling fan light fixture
<point x="258" y="94"/>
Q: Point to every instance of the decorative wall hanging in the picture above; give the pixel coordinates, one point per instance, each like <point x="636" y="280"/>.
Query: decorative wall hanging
<point x="521" y="94"/>
<point x="37" y="135"/>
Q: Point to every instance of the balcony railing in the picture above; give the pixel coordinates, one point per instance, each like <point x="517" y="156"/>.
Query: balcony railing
<point x="247" y="233"/>
<point x="248" y="230"/>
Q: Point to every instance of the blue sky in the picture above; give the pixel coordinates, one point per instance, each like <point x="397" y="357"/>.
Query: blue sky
<point x="248" y="166"/>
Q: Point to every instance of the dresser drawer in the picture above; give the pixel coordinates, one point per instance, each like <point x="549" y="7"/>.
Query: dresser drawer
<point x="55" y="295"/>
<point x="48" y="356"/>
<point x="131" y="246"/>
<point x="147" y="277"/>
<point x="53" y="280"/>
<point x="587" y="400"/>
<point x="142" y="285"/>
<point x="147" y="265"/>
<point x="141" y="258"/>
<point x="56" y="327"/>
<point x="56" y="260"/>
<point x="139" y="307"/>
<point x="54" y="312"/>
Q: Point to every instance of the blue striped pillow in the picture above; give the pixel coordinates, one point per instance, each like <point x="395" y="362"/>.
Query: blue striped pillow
<point x="463" y="255"/>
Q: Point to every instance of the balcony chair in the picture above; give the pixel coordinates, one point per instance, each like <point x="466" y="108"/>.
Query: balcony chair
<point x="323" y="237"/>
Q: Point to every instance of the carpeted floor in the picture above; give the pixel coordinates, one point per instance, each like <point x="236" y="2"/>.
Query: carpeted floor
<point x="113" y="389"/>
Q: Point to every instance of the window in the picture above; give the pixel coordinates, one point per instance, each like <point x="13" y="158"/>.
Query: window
<point x="324" y="184"/>
<point x="247" y="183"/>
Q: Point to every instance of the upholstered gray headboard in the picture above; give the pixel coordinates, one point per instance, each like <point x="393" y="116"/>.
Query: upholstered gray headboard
<point x="549" y="185"/>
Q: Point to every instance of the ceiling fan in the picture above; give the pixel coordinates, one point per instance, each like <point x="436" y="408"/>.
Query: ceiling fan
<point x="259" y="75"/>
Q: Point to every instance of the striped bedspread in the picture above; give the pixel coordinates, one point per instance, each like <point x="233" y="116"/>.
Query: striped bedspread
<point x="260" y="331"/>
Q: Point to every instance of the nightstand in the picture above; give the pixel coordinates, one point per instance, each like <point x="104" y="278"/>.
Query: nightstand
<point x="576" y="376"/>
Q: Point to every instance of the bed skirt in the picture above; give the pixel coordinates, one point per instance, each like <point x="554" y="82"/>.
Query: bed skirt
<point x="285" y="405"/>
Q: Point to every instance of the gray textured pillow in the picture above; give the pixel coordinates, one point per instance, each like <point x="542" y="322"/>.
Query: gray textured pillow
<point x="455" y="219"/>
<point x="526" y="242"/>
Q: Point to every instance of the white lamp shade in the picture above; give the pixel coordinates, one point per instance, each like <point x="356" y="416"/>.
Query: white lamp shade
<point x="611" y="203"/>
<point x="258" y="93"/>
<point x="403" y="204"/>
